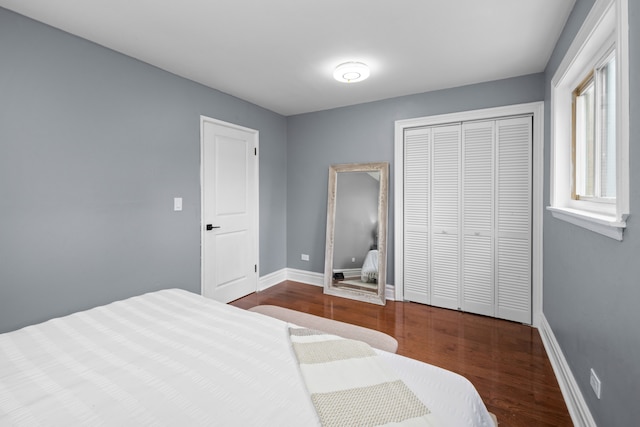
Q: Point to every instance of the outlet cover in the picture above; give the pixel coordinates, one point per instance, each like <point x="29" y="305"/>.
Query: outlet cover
<point x="596" y="385"/>
<point x="304" y="257"/>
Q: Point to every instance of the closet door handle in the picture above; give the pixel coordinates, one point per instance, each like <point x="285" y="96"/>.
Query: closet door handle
<point x="211" y="227"/>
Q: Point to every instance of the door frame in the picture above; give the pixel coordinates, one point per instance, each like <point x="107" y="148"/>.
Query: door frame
<point x="534" y="108"/>
<point x="256" y="188"/>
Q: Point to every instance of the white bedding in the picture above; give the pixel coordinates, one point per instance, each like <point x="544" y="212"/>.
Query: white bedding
<point x="175" y="358"/>
<point x="370" y="267"/>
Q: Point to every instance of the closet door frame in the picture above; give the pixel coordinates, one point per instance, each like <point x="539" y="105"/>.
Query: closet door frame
<point x="536" y="109"/>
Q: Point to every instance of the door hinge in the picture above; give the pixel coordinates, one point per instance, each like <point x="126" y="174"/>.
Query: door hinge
<point x="255" y="151"/>
<point x="255" y="268"/>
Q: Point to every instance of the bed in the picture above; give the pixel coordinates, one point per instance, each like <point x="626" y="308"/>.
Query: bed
<point x="369" y="273"/>
<point x="175" y="358"/>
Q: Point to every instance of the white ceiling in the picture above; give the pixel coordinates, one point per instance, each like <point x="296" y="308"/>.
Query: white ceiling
<point x="280" y="54"/>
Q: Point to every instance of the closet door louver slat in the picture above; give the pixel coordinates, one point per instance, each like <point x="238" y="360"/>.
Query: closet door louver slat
<point x="445" y="210"/>
<point x="477" y="280"/>
<point x="513" y="211"/>
<point x="416" y="209"/>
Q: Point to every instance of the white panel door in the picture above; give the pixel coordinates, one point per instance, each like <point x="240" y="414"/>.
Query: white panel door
<point x="445" y="215"/>
<point x="513" y="222"/>
<point x="417" y="147"/>
<point x="230" y="209"/>
<point x="477" y="255"/>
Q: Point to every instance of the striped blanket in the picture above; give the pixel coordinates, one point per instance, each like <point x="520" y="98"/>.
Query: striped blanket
<point x="350" y="386"/>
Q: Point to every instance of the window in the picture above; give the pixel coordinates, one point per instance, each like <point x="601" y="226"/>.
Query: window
<point x="590" y="124"/>
<point x="594" y="135"/>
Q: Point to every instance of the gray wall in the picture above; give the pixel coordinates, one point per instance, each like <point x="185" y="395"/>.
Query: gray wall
<point x="94" y="145"/>
<point x="356" y="218"/>
<point x="364" y="133"/>
<point x="591" y="282"/>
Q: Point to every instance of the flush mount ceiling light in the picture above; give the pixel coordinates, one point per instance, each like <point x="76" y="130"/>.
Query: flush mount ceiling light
<point x="351" y="72"/>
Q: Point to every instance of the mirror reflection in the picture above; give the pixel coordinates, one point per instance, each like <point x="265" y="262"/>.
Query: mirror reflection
<point x="356" y="231"/>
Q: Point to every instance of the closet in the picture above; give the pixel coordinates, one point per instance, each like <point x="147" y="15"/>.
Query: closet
<point x="468" y="215"/>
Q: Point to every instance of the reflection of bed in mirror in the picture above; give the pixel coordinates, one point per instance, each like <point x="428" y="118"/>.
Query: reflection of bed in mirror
<point x="369" y="272"/>
<point x="364" y="278"/>
<point x="355" y="260"/>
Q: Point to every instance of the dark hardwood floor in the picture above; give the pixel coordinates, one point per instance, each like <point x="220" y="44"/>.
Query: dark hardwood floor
<point x="505" y="361"/>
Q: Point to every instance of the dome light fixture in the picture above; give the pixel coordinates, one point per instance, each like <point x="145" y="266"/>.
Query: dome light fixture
<point x="351" y="72"/>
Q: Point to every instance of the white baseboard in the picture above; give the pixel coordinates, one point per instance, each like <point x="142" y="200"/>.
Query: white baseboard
<point x="307" y="277"/>
<point x="390" y="292"/>
<point x="272" y="279"/>
<point x="578" y="409"/>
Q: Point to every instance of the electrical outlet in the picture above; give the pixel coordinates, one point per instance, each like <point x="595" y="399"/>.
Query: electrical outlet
<point x="595" y="383"/>
<point x="304" y="257"/>
<point x="353" y="260"/>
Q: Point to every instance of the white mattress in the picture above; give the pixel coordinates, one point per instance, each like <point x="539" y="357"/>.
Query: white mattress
<point x="370" y="267"/>
<point x="175" y="358"/>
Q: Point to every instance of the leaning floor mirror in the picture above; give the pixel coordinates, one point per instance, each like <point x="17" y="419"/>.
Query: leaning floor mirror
<point x="356" y="248"/>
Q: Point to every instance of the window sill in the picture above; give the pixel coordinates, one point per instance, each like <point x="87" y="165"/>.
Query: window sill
<point x="603" y="224"/>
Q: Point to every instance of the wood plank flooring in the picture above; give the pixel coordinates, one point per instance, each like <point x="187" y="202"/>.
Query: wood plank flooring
<point x="505" y="361"/>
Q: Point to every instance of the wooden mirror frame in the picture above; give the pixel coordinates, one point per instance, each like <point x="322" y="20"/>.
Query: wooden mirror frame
<point x="379" y="296"/>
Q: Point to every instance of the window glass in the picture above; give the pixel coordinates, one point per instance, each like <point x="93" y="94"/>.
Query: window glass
<point x="594" y="135"/>
<point x="608" y="144"/>
<point x="585" y="128"/>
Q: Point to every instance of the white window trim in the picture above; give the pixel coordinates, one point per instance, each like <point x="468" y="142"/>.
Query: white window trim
<point x="607" y="19"/>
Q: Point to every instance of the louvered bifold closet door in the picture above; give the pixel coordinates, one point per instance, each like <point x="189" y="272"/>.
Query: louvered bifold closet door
<point x="477" y="255"/>
<point x="445" y="216"/>
<point x="417" y="146"/>
<point x="513" y="221"/>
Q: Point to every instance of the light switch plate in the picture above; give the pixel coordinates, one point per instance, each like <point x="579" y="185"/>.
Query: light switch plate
<point x="596" y="385"/>
<point x="177" y="203"/>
